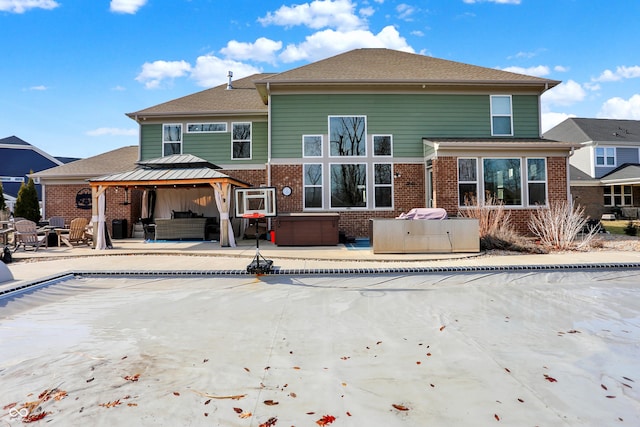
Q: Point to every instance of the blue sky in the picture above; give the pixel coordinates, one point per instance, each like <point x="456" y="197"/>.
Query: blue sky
<point x="71" y="69"/>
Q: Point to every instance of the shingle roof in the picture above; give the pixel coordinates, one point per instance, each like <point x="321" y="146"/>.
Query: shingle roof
<point x="500" y="143"/>
<point x="13" y="140"/>
<point x="392" y="66"/>
<point x="242" y="98"/>
<point x="597" y="130"/>
<point x="118" y="160"/>
<point x="624" y="173"/>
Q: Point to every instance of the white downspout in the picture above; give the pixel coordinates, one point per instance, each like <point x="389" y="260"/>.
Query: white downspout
<point x="570" y="199"/>
<point x="268" y="135"/>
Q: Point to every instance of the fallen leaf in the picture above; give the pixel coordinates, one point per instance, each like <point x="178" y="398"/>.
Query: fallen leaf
<point x="59" y="395"/>
<point x="429" y="354"/>
<point x="9" y="406"/>
<point x="270" y="422"/>
<point x="132" y="404"/>
<point x="348" y="413"/>
<point x="132" y="378"/>
<point x="247" y="369"/>
<point x="310" y="413"/>
<point x="123" y="357"/>
<point x="604" y="386"/>
<point x="292" y="394"/>
<point x="111" y="404"/>
<point x="629" y="379"/>
<point x="345" y="358"/>
<point x="611" y="397"/>
<point x="245" y="415"/>
<point x="432" y="385"/>
<point x="31" y="418"/>
<point x="207" y="401"/>
<point x="573" y="331"/>
<point x="296" y="367"/>
<point x="238" y="410"/>
<point x="507" y="369"/>
<point x="206" y="414"/>
<point x="175" y="393"/>
<point x="496" y="417"/>
<point x="520" y="400"/>
<point x="205" y="360"/>
<point x="550" y="379"/>
<point x="90" y="379"/>
<point x="400" y="407"/>
<point x="418" y="362"/>
<point x="232" y="397"/>
<point x="379" y="342"/>
<point x="626" y="385"/>
<point x="326" y="420"/>
<point x="270" y="402"/>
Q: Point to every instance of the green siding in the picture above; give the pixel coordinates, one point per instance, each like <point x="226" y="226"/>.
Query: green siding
<point x="409" y="118"/>
<point x="214" y="147"/>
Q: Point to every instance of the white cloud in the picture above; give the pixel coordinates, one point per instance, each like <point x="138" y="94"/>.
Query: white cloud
<point x="126" y="6"/>
<point x="211" y="71"/>
<point x="119" y="88"/>
<point x="39" y="88"/>
<point x="263" y="50"/>
<point x="405" y="11"/>
<point x="538" y="71"/>
<point x="493" y="1"/>
<point x="564" y="94"/>
<point x="329" y="42"/>
<point x="417" y="33"/>
<point x="549" y="120"/>
<point x="21" y="6"/>
<point x="560" y="68"/>
<point x="622" y="72"/>
<point x="153" y="73"/>
<point x="112" y="132"/>
<point x="367" y="11"/>
<point x="618" y="108"/>
<point x="338" y="14"/>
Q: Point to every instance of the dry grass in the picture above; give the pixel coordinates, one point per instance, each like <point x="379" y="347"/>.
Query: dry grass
<point x="559" y="225"/>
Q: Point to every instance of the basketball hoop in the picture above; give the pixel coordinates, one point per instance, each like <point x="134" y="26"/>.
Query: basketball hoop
<point x="259" y="265"/>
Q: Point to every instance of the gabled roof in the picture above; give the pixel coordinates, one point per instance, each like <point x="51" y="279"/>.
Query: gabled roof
<point x="596" y="130"/>
<point x="628" y="173"/>
<point x="14" y="140"/>
<point x="117" y="160"/>
<point x="393" y="66"/>
<point x="242" y="99"/>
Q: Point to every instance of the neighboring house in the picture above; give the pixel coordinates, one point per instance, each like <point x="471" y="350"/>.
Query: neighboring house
<point x="67" y="192"/>
<point x="605" y="172"/>
<point x="372" y="133"/>
<point x="17" y="159"/>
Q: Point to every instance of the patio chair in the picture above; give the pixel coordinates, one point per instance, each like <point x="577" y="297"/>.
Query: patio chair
<point x="56" y="222"/>
<point x="26" y="234"/>
<point x="77" y="232"/>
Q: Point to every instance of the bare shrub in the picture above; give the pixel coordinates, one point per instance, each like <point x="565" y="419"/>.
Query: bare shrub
<point x="559" y="225"/>
<point x="496" y="230"/>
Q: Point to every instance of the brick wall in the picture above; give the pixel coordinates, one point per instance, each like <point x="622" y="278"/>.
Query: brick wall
<point x="445" y="177"/>
<point x="60" y="200"/>
<point x="591" y="199"/>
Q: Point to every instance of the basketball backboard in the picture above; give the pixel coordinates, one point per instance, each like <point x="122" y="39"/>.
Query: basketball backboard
<point x="255" y="201"/>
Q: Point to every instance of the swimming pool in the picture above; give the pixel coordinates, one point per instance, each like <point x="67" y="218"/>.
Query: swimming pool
<point x="530" y="347"/>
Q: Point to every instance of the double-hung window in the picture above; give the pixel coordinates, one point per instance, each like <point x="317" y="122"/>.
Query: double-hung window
<point x="501" y="115"/>
<point x="171" y="139"/>
<point x="605" y="156"/>
<point x="537" y="181"/>
<point x="241" y="141"/>
<point x="467" y="181"/>
<point x="618" y="195"/>
<point x="312" y="185"/>
<point x="383" y="185"/>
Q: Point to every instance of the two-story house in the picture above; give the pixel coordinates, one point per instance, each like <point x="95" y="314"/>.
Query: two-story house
<point x="605" y="172"/>
<point x="372" y="133"/>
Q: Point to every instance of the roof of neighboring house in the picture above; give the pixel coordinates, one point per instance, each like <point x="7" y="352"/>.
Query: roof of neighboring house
<point x="387" y="66"/>
<point x="117" y="160"/>
<point x="578" y="176"/>
<point x="596" y="130"/>
<point x="242" y="98"/>
<point x="13" y="140"/>
<point x="629" y="173"/>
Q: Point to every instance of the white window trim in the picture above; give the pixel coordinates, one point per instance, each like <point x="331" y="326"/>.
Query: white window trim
<point x="510" y="115"/>
<point x="369" y="185"/>
<point x="208" y="131"/>
<point x="605" y="165"/>
<point x="479" y="198"/>
<point x="173" y="142"/>
<point x="373" y="145"/>
<point x="612" y="195"/>
<point x="366" y="123"/>
<point x="304" y="186"/>
<point x="373" y="181"/>
<point x="545" y="182"/>
<point x="242" y="140"/>
<point x="321" y="146"/>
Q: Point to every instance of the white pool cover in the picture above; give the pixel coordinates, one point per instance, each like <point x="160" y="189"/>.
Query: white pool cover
<point x="442" y="349"/>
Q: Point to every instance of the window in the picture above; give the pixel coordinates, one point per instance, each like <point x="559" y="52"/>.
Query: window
<point x="605" y="156"/>
<point x="502" y="180"/>
<point x="501" y="117"/>
<point x="537" y="181"/>
<point x="467" y="181"/>
<point x="312" y="146"/>
<point x="382" y="145"/>
<point x="618" y="195"/>
<point x="171" y="139"/>
<point x="241" y="141"/>
<point x="312" y="185"/>
<point x="348" y="184"/>
<point x="382" y="185"/>
<point x="206" y="127"/>
<point x="347" y="136"/>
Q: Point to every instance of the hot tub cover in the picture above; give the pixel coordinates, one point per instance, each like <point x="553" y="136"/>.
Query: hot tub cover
<point x="424" y="213"/>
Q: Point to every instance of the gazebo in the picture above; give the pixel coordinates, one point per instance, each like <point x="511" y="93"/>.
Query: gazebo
<point x="176" y="176"/>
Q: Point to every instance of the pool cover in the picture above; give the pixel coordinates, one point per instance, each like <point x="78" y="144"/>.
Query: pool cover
<point x="443" y="349"/>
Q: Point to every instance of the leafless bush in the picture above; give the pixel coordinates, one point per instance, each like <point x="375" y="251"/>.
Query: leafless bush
<point x="496" y="230"/>
<point x="559" y="225"/>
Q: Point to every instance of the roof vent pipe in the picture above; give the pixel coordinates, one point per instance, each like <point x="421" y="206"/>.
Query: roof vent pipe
<point x="230" y="75"/>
